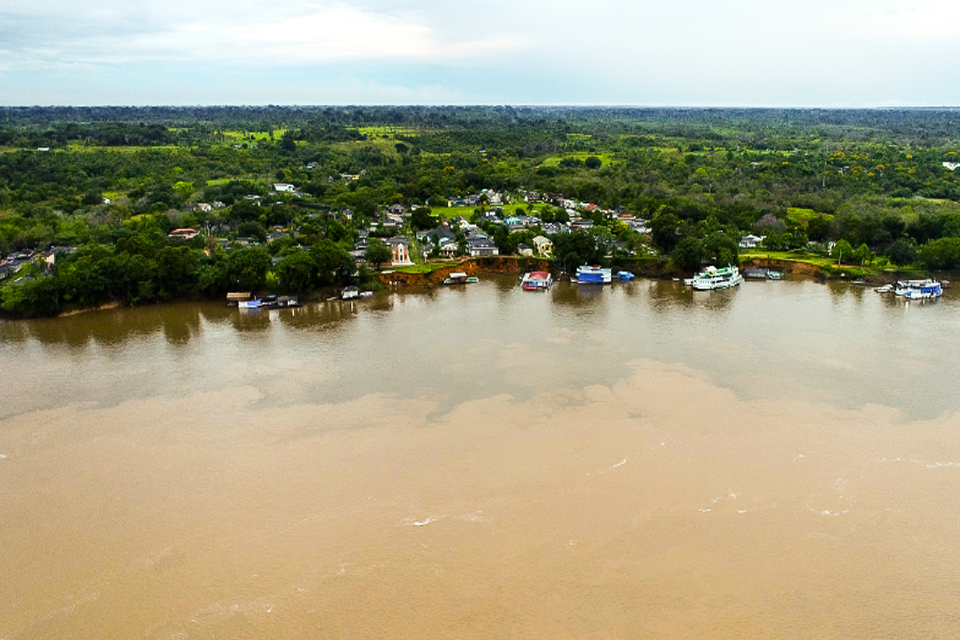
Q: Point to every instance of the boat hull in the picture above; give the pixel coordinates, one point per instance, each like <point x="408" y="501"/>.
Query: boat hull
<point x="924" y="293"/>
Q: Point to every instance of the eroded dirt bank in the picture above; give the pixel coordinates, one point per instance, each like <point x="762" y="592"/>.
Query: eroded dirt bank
<point x="470" y="267"/>
<point x="783" y="265"/>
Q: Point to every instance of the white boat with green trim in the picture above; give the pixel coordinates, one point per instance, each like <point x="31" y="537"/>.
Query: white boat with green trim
<point x="712" y="278"/>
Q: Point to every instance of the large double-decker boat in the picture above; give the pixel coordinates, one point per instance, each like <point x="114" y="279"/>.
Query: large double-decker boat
<point x="587" y="274"/>
<point x="713" y="278"/>
<point x="919" y="289"/>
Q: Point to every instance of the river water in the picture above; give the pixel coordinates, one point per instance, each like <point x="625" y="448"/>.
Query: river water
<point x="638" y="460"/>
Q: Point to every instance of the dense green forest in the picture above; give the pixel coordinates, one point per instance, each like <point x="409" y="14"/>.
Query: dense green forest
<point x="109" y="184"/>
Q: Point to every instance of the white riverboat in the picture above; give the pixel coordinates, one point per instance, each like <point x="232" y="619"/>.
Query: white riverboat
<point x="919" y="289"/>
<point x="713" y="278"/>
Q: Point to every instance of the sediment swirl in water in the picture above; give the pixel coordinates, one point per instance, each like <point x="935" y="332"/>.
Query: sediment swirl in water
<point x="658" y="506"/>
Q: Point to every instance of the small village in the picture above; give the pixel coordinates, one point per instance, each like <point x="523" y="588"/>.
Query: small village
<point x="321" y="200"/>
<point x="450" y="240"/>
<point x="500" y="224"/>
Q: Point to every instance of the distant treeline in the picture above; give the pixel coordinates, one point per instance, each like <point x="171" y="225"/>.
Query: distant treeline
<point x="933" y="125"/>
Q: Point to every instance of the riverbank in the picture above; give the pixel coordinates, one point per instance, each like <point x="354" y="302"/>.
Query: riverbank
<point x="432" y="274"/>
<point x="419" y="277"/>
<point x="827" y="268"/>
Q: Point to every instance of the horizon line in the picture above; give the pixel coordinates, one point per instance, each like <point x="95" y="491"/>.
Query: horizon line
<point x="480" y="104"/>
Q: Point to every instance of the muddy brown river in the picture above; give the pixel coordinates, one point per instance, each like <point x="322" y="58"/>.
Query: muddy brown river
<point x="639" y="460"/>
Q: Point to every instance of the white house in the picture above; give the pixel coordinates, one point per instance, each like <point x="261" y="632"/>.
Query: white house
<point x="542" y="245"/>
<point x="448" y="250"/>
<point x="183" y="234"/>
<point x="750" y="241"/>
<point x="493" y="198"/>
<point x="283" y="187"/>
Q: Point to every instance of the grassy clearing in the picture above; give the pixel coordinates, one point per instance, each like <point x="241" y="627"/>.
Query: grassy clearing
<point x="448" y="213"/>
<point x="428" y="267"/>
<point x="74" y="147"/>
<point x="384" y="145"/>
<point x="767" y="152"/>
<point x="252" y="136"/>
<point x="933" y="200"/>
<point x="827" y="264"/>
<point x="788" y="256"/>
<point x="384" y="131"/>
<point x="219" y="181"/>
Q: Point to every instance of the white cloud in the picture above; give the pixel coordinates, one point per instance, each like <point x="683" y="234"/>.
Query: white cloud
<point x="291" y="34"/>
<point x="687" y="52"/>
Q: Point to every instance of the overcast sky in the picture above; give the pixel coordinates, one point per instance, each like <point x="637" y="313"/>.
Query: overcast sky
<point x="804" y="53"/>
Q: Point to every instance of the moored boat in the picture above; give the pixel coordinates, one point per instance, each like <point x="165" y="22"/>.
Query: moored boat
<point x="349" y="293"/>
<point x="250" y="304"/>
<point x="924" y="292"/>
<point x="918" y="289"/>
<point x="457" y="278"/>
<point x="234" y="298"/>
<point x="625" y="275"/>
<point x="536" y="281"/>
<point x="713" y="278"/>
<point x="591" y="274"/>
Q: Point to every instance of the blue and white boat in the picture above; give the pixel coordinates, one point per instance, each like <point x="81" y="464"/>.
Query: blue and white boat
<point x="250" y="304"/>
<point x="919" y="289"/>
<point x="713" y="278"/>
<point x="625" y="275"/>
<point x="587" y="274"/>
